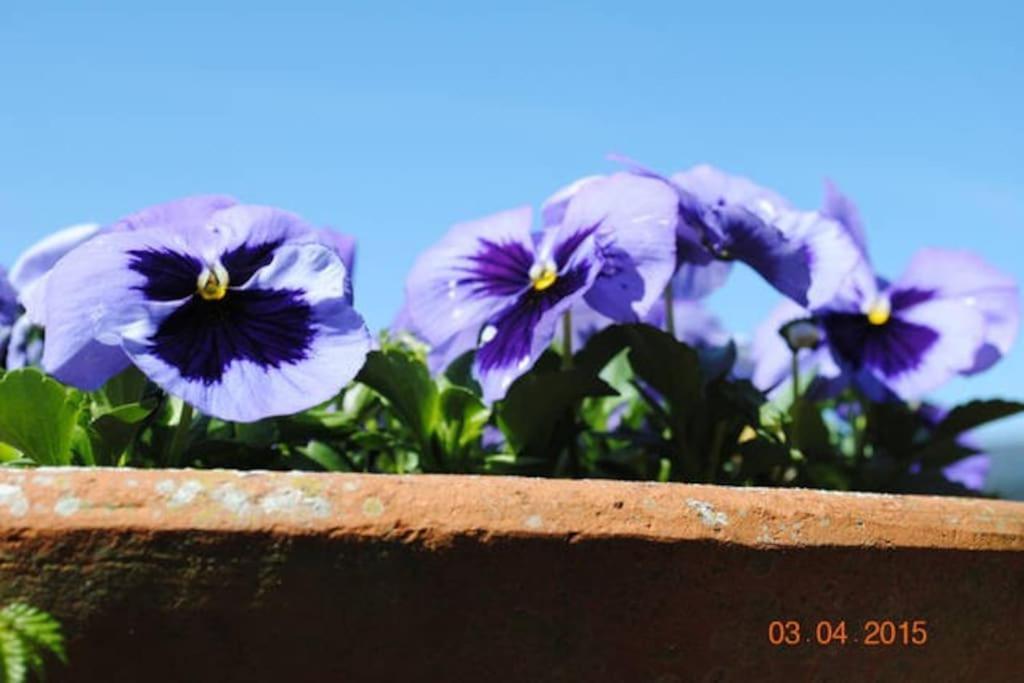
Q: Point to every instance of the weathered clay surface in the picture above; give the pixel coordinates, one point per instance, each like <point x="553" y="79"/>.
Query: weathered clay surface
<point x="227" y="576"/>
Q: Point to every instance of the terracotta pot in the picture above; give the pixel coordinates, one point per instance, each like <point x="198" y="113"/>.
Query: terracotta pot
<point x="229" y="576"/>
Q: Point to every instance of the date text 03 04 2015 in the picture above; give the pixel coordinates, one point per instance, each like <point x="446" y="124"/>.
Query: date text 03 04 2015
<point x="872" y="633"/>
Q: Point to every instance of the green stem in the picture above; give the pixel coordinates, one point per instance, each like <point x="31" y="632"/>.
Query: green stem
<point x="794" y="410"/>
<point x="180" y="439"/>
<point x="670" y="311"/>
<point x="795" y="370"/>
<point x="567" y="341"/>
<point x="862" y="425"/>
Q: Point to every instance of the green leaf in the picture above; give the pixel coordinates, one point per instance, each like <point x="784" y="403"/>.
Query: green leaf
<point x="112" y="431"/>
<point x="670" y="367"/>
<point x="974" y="414"/>
<point x="38" y="416"/>
<point x="538" y="401"/>
<point x="463" y="418"/>
<point x="808" y="430"/>
<point x="404" y="381"/>
<point x="325" y="456"/>
<point x="460" y="373"/>
<point x="124" y="388"/>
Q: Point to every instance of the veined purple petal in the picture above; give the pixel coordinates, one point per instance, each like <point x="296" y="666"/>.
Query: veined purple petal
<point x="963" y="277"/>
<point x="635" y="219"/>
<point x="475" y="270"/>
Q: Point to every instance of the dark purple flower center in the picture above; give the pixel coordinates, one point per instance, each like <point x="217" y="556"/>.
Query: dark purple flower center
<point x="892" y="348"/>
<point x="513" y="328"/>
<point x="203" y="336"/>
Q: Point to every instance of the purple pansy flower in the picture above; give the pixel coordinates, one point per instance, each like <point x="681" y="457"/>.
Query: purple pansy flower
<point x="494" y="285"/>
<point x="239" y="311"/>
<point x="803" y="254"/>
<point x="950" y="313"/>
<point x="93" y="362"/>
<point x="725" y="218"/>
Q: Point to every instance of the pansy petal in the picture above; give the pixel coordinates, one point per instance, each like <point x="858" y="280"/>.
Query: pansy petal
<point x="976" y="284"/>
<point x="695" y="281"/>
<point x="972" y="471"/>
<point x="38" y="259"/>
<point x="343" y="245"/>
<point x="92" y="366"/>
<point x="713" y="186"/>
<point x="912" y="368"/>
<point x="781" y="261"/>
<point x="553" y="210"/>
<point x="476" y="269"/>
<point x="635" y="219"/>
<point x="835" y="267"/>
<point x="841" y="208"/>
<point x="191" y="211"/>
<point x="246" y="237"/>
<point x="284" y="343"/>
<point x="444" y="354"/>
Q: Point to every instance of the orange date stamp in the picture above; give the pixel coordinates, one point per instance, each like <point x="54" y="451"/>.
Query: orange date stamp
<point x="870" y="633"/>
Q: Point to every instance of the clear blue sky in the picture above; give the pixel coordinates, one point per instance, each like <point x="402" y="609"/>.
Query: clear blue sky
<point x="391" y="120"/>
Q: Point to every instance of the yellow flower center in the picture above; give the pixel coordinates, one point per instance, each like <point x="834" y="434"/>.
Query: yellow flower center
<point x="213" y="283"/>
<point x="879" y="312"/>
<point x="543" y="276"/>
